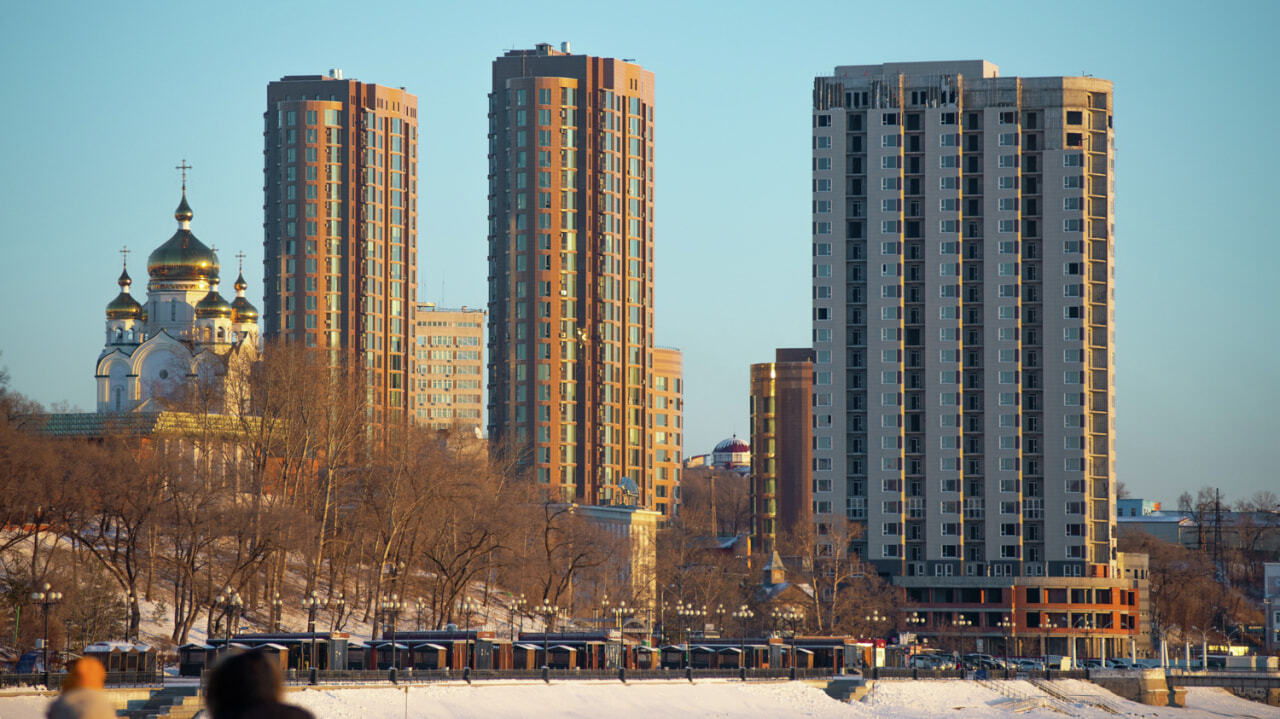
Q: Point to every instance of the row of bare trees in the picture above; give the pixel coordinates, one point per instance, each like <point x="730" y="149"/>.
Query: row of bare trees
<point x="704" y="560"/>
<point x="296" y="492"/>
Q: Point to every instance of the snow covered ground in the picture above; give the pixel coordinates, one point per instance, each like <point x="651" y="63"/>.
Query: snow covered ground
<point x="726" y="700"/>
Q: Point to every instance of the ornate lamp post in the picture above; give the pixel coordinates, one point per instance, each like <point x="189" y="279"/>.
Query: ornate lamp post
<point x="619" y="613"/>
<point x="1006" y="630"/>
<point x="720" y="612"/>
<point x="963" y="623"/>
<point x="46" y="598"/>
<point x="743" y="614"/>
<point x="231" y="604"/>
<point x="469" y="608"/>
<point x="313" y="604"/>
<point x="916" y="621"/>
<point x="688" y="612"/>
<point x="789" y="616"/>
<point x="276" y="607"/>
<point x="518" y="608"/>
<point x="548" y="611"/>
<point x="337" y="603"/>
<point x="419" y="606"/>
<point x="391" y="607"/>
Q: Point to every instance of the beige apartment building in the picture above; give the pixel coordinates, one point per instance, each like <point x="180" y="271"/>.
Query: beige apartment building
<point x="667" y="413"/>
<point x="448" y="376"/>
<point x="964" y="331"/>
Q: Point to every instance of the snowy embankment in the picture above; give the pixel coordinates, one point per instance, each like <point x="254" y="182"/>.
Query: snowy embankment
<point x="724" y="700"/>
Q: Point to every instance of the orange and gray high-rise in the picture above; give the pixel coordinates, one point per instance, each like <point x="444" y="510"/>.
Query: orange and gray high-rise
<point x="339" y="222"/>
<point x="571" y="269"/>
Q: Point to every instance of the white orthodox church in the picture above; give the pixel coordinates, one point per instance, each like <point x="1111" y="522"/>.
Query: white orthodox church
<point x="185" y="341"/>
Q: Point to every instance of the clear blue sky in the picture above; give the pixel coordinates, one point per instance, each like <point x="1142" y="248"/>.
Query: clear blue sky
<point x="104" y="98"/>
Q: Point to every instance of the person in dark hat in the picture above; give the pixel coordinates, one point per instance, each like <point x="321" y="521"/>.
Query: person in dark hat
<point x="249" y="685"/>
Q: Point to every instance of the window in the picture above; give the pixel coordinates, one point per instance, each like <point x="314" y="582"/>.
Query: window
<point x="822" y="185"/>
<point x="891" y="183"/>
<point x="1073" y="182"/>
<point x="1007" y="182"/>
<point x="888" y="248"/>
<point x="949" y="227"/>
<point x="889" y="118"/>
<point x="823" y="142"/>
<point x="1072" y="225"/>
<point x="948" y="183"/>
<point x="1008" y="204"/>
<point x="1008" y="226"/>
<point x="1073" y="203"/>
<point x="949" y="162"/>
<point x="949" y="204"/>
<point x="1008" y="399"/>
<point x="1008" y="161"/>
<point x="949" y="248"/>
<point x="950" y="551"/>
<point x="949" y="139"/>
<point x="1073" y="159"/>
<point x="1075" y="117"/>
<point x="894" y="140"/>
<point x="1008" y="269"/>
<point x="1008" y="139"/>
<point x="822" y="207"/>
<point x="822" y="163"/>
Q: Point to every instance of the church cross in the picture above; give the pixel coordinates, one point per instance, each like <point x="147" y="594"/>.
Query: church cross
<point x="183" y="167"/>
<point x="124" y="255"/>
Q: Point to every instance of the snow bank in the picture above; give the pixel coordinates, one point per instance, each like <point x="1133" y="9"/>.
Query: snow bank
<point x="890" y="699"/>
<point x="576" y="700"/>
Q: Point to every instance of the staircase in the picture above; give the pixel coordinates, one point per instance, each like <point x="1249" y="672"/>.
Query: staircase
<point x="1094" y="701"/>
<point x="180" y="702"/>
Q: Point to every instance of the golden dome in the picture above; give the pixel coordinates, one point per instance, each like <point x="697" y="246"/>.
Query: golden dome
<point x="243" y="310"/>
<point x="183" y="257"/>
<point x="213" y="306"/>
<point x="124" y="307"/>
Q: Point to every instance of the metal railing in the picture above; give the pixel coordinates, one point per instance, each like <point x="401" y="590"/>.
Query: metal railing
<point x="113" y="679"/>
<point x="423" y="676"/>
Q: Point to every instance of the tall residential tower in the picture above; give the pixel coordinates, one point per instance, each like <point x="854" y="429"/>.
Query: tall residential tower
<point x="964" y="336"/>
<point x="571" y="269"/>
<point x="339" y="220"/>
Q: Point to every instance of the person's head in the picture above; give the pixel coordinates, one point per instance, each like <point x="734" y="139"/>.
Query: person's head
<point x="84" y="673"/>
<point x="242" y="681"/>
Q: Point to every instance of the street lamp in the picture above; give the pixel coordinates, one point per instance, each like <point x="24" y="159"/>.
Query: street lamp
<point x="469" y="608"/>
<point x="518" y="608"/>
<point x="313" y="603"/>
<point x="619" y="612"/>
<point x="916" y="621"/>
<point x="743" y="615"/>
<point x="231" y="604"/>
<point x="548" y="611"/>
<point x="276" y="606"/>
<point x="1006" y="629"/>
<point x="688" y="612"/>
<point x="419" y="606"/>
<point x="964" y="623"/>
<point x="391" y="607"/>
<point x="335" y="616"/>
<point x="791" y="616"/>
<point x="46" y="598"/>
